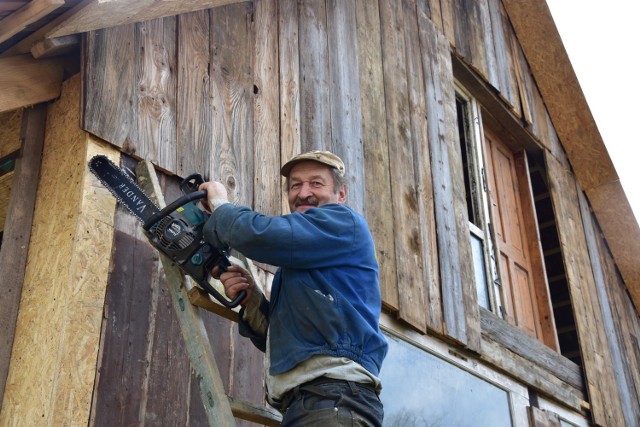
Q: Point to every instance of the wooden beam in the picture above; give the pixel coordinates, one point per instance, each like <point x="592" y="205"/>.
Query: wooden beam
<point x="25" y="16"/>
<point x="26" y="81"/>
<point x="97" y="14"/>
<point x="20" y="211"/>
<point x="48" y="48"/>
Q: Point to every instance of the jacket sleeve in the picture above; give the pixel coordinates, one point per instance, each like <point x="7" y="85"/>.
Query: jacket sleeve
<point x="319" y="238"/>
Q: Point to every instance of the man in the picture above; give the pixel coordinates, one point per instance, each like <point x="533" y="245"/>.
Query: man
<point x="320" y="327"/>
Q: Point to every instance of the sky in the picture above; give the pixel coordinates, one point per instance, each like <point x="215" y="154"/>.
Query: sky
<point x="602" y="40"/>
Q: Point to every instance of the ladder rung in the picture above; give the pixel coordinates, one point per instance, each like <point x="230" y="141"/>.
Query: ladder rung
<point x="201" y="299"/>
<point x="256" y="414"/>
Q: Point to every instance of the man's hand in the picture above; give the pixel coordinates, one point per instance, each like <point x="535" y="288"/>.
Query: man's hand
<point x="235" y="280"/>
<point x="216" y="191"/>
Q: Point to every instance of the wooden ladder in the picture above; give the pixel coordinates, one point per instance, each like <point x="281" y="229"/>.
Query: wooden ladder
<point x="187" y="300"/>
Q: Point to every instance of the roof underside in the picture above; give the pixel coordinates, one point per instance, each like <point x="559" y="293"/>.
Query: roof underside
<point x="34" y="34"/>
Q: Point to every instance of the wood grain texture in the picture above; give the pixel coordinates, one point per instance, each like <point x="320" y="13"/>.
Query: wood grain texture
<point x="376" y="155"/>
<point x="155" y="92"/>
<point x="109" y="105"/>
<point x="344" y="91"/>
<point x="10" y="125"/>
<point x="603" y="394"/>
<point x="313" y="53"/>
<point x="193" y="108"/>
<point x="232" y="102"/>
<point x="266" y="96"/>
<point x="404" y="195"/>
<point x="25" y="81"/>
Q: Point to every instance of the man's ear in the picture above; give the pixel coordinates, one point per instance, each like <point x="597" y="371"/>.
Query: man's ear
<point x="342" y="194"/>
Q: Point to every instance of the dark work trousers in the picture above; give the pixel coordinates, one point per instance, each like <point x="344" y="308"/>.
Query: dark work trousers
<point x="328" y="402"/>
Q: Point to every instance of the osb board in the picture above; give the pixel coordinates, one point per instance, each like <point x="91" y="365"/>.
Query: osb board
<point x="10" y="124"/>
<point x="57" y="334"/>
<point x="5" y="191"/>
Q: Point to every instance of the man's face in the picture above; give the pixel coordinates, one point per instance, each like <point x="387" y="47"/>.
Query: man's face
<point x="311" y="185"/>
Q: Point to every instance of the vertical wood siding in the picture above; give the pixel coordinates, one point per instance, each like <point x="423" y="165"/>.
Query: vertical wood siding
<point x="235" y="91"/>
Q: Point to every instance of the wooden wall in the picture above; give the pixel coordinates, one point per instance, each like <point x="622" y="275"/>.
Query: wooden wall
<point x="233" y="92"/>
<point x="57" y="334"/>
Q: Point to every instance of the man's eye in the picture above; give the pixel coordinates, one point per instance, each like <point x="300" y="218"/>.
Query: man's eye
<point x="295" y="186"/>
<point x="317" y="184"/>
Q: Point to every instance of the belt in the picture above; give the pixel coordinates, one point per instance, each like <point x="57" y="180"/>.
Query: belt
<point x="310" y="386"/>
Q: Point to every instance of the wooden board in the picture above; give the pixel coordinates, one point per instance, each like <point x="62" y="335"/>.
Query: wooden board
<point x="232" y="103"/>
<point x="376" y="155"/>
<point x="155" y="91"/>
<point x="344" y="96"/>
<point x="16" y="217"/>
<point x="313" y="54"/>
<point x="25" y="81"/>
<point x="596" y="356"/>
<point x="193" y="106"/>
<point x="267" y="191"/>
<point x="404" y="192"/>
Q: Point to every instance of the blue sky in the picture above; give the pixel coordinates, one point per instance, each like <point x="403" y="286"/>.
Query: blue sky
<point x="602" y="40"/>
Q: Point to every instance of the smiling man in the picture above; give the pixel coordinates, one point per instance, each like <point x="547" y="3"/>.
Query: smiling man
<point x="320" y="327"/>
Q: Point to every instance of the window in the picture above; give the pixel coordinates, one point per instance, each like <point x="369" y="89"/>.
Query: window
<point x="503" y="229"/>
<point x="422" y="389"/>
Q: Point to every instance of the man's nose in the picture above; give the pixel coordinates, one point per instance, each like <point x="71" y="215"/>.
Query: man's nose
<point x="305" y="190"/>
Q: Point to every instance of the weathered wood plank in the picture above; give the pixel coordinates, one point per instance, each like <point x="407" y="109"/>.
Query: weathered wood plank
<point x="193" y="107"/>
<point x="344" y="96"/>
<point x="17" y="230"/>
<point x="376" y="154"/>
<point x="502" y="34"/>
<point x="473" y="38"/>
<point x="156" y="92"/>
<point x="109" y="105"/>
<point x="25" y="81"/>
<point x="232" y="103"/>
<point x="289" y="65"/>
<point x="191" y="325"/>
<point x="266" y="110"/>
<point x="404" y="193"/>
<point x="98" y="14"/>
<point x="313" y="52"/>
<point x="603" y="393"/>
<point x="31" y="12"/>
<point x="627" y="392"/>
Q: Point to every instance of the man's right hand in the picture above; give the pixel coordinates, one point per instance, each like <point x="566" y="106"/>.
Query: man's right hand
<point x="235" y="280"/>
<point x="215" y="191"/>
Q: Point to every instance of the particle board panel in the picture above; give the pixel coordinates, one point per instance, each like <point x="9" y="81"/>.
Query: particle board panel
<point x="65" y="279"/>
<point x="376" y="155"/>
<point x="10" y="124"/>
<point x="232" y="102"/>
<point x="404" y="193"/>
<point x="5" y="191"/>
<point x="266" y="110"/>
<point x="193" y="109"/>
<point x="601" y="387"/>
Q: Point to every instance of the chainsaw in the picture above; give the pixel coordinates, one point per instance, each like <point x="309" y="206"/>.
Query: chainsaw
<point x="176" y="230"/>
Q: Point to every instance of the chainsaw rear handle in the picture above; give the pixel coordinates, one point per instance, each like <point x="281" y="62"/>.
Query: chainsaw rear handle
<point x="222" y="262"/>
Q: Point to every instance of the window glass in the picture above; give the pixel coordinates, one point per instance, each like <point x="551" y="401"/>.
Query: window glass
<point x="420" y="389"/>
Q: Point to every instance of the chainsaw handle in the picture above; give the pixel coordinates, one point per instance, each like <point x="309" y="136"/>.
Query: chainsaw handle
<point x="180" y="201"/>
<point x="191" y="183"/>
